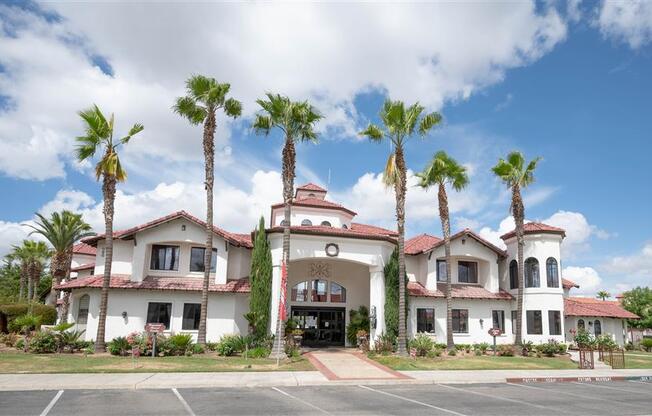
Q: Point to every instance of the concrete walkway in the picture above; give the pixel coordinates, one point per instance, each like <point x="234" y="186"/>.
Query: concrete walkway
<point x="350" y="365"/>
<point x="597" y="364"/>
<point x="289" y="378"/>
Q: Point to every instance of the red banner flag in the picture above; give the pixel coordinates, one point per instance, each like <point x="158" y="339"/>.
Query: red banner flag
<point x="284" y="283"/>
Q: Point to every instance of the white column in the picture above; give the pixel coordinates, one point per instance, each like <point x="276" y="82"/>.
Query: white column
<point x="377" y="300"/>
<point x="276" y="290"/>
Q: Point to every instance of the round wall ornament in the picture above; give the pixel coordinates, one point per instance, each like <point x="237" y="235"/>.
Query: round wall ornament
<point x="332" y="250"/>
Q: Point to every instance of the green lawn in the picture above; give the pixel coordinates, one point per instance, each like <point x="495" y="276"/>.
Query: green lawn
<point x="485" y="362"/>
<point x="18" y="362"/>
<point x="638" y="359"/>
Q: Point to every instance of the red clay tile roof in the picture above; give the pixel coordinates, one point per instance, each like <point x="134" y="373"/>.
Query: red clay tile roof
<point x="425" y="242"/>
<point x="121" y="281"/>
<point x="243" y="240"/>
<point x="360" y="231"/>
<point x="568" y="284"/>
<point x="458" y="291"/>
<point x="421" y="243"/>
<point x="596" y="307"/>
<point x="83" y="248"/>
<point x="86" y="266"/>
<point x="536" y="228"/>
<point x="316" y="203"/>
<point x="311" y="187"/>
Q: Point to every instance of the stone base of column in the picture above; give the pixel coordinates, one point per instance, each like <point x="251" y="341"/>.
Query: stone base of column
<point x="278" y="351"/>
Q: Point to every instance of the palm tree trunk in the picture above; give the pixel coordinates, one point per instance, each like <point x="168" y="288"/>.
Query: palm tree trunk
<point x="65" y="301"/>
<point x="209" y="158"/>
<point x="108" y="191"/>
<point x="36" y="281"/>
<point x="400" y="189"/>
<point x="58" y="267"/>
<point x="518" y="211"/>
<point x="288" y="168"/>
<point x="24" y="271"/>
<point x="30" y="281"/>
<point x="446" y="230"/>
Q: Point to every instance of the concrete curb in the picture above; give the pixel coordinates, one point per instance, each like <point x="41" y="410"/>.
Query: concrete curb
<point x="136" y="381"/>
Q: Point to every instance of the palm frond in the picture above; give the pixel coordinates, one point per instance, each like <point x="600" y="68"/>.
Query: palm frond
<point x="187" y="107"/>
<point x="373" y="132"/>
<point x="233" y="108"/>
<point x="262" y="124"/>
<point x="412" y="117"/>
<point x="428" y="122"/>
<point x="135" y="129"/>
<point x="391" y="172"/>
<point x="199" y="86"/>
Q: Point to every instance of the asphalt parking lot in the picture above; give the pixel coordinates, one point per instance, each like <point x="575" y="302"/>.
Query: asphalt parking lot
<point x="621" y="398"/>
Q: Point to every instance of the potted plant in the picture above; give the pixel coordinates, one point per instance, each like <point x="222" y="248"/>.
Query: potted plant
<point x="363" y="339"/>
<point x="297" y="336"/>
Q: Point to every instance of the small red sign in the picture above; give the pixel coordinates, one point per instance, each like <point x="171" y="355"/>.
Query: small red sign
<point x="495" y="332"/>
<point x="158" y="328"/>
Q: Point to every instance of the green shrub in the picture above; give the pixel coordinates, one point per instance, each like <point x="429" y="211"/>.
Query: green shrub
<point x="212" y="346"/>
<point x="89" y="350"/>
<point x="605" y="342"/>
<point x="481" y="348"/>
<point x="119" y="346"/>
<point x="422" y="343"/>
<point x="20" y="344"/>
<point x="583" y="339"/>
<point x="291" y="350"/>
<point x="198" y="349"/>
<point x="433" y="353"/>
<point x="452" y="352"/>
<point x="180" y="343"/>
<point x="259" y="352"/>
<point x="43" y="342"/>
<point x="46" y="313"/>
<point x="385" y="343"/>
<point x="463" y="347"/>
<point x="70" y="341"/>
<point x="229" y="345"/>
<point x="647" y="344"/>
<point x="9" y="340"/>
<point x="562" y="348"/>
<point x="358" y="320"/>
<point x="439" y="345"/>
<point x="527" y="347"/>
<point x="548" y="349"/>
<point x="506" y="350"/>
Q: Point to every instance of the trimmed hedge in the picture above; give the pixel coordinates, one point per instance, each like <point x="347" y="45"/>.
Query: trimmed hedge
<point x="47" y="313"/>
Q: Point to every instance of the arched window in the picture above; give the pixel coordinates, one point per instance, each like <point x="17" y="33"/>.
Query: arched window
<point x="320" y="290"/>
<point x="580" y="325"/>
<point x="284" y="223"/>
<point x="311" y="195"/>
<point x="513" y="274"/>
<point x="552" y="272"/>
<point x="306" y="223"/>
<point x="326" y="224"/>
<point x="345" y="227"/>
<point x="82" y="310"/>
<point x="299" y="292"/>
<point x="532" y="272"/>
<point x="338" y="293"/>
<point x="597" y="328"/>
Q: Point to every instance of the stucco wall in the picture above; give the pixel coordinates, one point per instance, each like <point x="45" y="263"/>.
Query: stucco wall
<point x="224" y="312"/>
<point x="315" y="215"/>
<point x="616" y="328"/>
<point x="122" y="257"/>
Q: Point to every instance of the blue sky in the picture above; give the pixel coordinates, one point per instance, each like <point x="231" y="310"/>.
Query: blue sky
<point x="566" y="81"/>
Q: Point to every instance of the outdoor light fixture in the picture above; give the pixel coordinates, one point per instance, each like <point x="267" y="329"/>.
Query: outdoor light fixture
<point x="481" y="320"/>
<point x="124" y="315"/>
<point x="464" y="240"/>
<point x="183" y="227"/>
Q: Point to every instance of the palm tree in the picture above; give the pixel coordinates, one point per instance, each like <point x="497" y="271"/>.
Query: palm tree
<point x="603" y="295"/>
<point x="516" y="174"/>
<point x="443" y="170"/>
<point x="39" y="254"/>
<point x="205" y="97"/>
<point x="400" y="123"/>
<point x="20" y="255"/>
<point x="99" y="137"/>
<point x="62" y="230"/>
<point x="296" y="120"/>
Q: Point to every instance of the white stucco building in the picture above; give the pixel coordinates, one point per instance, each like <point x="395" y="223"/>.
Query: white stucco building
<point x="336" y="265"/>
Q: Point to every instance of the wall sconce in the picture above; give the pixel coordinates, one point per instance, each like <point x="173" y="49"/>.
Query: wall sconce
<point x="124" y="316"/>
<point x="463" y="240"/>
<point x="481" y="320"/>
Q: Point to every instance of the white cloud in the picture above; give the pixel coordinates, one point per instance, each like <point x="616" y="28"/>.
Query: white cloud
<point x="629" y="21"/>
<point x="638" y="264"/>
<point x="428" y="52"/>
<point x="586" y="277"/>
<point x="505" y="226"/>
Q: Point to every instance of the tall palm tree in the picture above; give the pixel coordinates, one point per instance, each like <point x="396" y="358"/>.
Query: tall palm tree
<point x="603" y="295"/>
<point x="98" y="137"/>
<point x="399" y="124"/>
<point x="296" y="120"/>
<point x="204" y="98"/>
<point x="441" y="171"/>
<point x="517" y="174"/>
<point x="21" y="256"/>
<point x="62" y="230"/>
<point x="39" y="255"/>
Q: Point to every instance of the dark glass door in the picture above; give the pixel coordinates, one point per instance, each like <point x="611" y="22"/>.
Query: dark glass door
<point x="321" y="327"/>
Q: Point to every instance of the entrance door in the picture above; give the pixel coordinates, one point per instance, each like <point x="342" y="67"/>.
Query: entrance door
<point x="322" y="327"/>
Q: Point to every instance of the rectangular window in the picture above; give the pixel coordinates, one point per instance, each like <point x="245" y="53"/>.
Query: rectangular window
<point x="467" y="272"/>
<point x="534" y="326"/>
<point x="197" y="259"/>
<point x="164" y="258"/>
<point x="426" y="320"/>
<point x="514" y="315"/>
<point x="159" y="313"/>
<point x="191" y="312"/>
<point x="441" y="270"/>
<point x="554" y="322"/>
<point x="319" y="291"/>
<point x="498" y="318"/>
<point x="460" y="321"/>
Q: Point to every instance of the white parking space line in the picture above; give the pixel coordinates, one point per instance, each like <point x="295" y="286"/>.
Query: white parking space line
<point x="396" y="396"/>
<point x="604" y="387"/>
<point x="491" y="396"/>
<point x="54" y="401"/>
<point x="640" y="382"/>
<point x="183" y="402"/>
<point x="582" y="396"/>
<point x="301" y="400"/>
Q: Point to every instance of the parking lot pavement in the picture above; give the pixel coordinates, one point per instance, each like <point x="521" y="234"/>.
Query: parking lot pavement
<point x="623" y="398"/>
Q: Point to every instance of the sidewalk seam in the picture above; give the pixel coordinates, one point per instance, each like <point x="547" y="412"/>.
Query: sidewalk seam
<point x="143" y="380"/>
